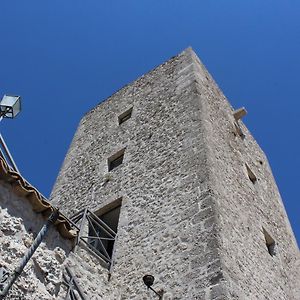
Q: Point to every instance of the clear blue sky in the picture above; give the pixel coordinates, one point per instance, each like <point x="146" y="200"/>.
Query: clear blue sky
<point x="64" y="57"/>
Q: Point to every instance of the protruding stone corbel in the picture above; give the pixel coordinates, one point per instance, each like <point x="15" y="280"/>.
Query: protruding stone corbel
<point x="239" y="113"/>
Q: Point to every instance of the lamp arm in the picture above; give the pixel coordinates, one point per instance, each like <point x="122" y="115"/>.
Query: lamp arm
<point x="158" y="294"/>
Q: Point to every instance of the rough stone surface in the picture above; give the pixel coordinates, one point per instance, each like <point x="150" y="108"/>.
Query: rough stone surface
<point x="163" y="180"/>
<point x="190" y="215"/>
<point x="19" y="225"/>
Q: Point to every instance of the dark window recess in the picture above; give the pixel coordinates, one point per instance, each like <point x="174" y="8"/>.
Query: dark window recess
<point x="125" y="116"/>
<point x="116" y="160"/>
<point x="251" y="175"/>
<point x="270" y="243"/>
<point x="101" y="237"/>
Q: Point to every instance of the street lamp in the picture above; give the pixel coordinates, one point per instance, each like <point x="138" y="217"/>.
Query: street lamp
<point x="10" y="106"/>
<point x="148" y="281"/>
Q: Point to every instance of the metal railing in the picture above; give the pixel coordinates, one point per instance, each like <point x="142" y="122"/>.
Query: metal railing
<point x="74" y="291"/>
<point x="95" y="234"/>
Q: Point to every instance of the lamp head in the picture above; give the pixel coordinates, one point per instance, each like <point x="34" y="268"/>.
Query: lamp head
<point x="10" y="106"/>
<point x="148" y="280"/>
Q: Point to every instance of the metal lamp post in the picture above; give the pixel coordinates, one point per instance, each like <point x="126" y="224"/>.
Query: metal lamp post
<point x="10" y="107"/>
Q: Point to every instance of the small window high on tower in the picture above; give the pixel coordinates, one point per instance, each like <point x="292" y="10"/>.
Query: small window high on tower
<point x="125" y="116"/>
<point x="270" y="243"/>
<point x="116" y="160"/>
<point x="251" y="175"/>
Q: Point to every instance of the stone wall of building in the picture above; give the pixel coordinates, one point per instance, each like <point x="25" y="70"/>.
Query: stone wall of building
<point x="42" y="277"/>
<point x="19" y="225"/>
<point x="190" y="215"/>
<point x="92" y="277"/>
<point x="166" y="226"/>
<point x="244" y="208"/>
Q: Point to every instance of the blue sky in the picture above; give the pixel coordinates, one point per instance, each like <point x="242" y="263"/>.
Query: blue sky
<point x="64" y="57"/>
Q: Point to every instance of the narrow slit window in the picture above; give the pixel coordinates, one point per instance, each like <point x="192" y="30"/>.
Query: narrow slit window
<point x="270" y="243"/>
<point x="251" y="175"/>
<point x="125" y="116"/>
<point x="116" y="160"/>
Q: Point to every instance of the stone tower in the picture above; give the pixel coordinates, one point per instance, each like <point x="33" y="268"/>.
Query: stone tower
<point x="169" y="165"/>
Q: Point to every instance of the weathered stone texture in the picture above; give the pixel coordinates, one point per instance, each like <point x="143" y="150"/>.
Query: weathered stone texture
<point x="42" y="277"/>
<point x="244" y="208"/>
<point x="190" y="215"/>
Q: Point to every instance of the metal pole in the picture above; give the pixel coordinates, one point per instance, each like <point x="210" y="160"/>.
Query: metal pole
<point x="8" y="155"/>
<point x="73" y="283"/>
<point x="158" y="294"/>
<point x="52" y="219"/>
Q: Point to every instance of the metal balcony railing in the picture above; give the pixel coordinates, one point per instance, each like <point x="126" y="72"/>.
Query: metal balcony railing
<point x="95" y="234"/>
<point x="74" y="291"/>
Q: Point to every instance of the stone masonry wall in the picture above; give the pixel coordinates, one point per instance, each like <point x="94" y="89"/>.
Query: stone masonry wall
<point x="167" y="225"/>
<point x="244" y="208"/>
<point x="42" y="277"/>
<point x="190" y="216"/>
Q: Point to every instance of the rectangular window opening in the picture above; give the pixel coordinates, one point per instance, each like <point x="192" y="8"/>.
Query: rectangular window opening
<point x="251" y="175"/>
<point x="270" y="243"/>
<point x="102" y="233"/>
<point x="125" y="116"/>
<point x="116" y="160"/>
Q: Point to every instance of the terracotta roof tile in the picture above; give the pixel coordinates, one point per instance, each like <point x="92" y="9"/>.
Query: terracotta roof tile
<point x="38" y="202"/>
